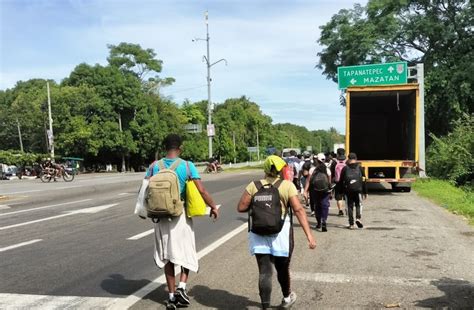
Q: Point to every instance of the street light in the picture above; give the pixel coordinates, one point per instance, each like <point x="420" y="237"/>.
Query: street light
<point x="207" y="59"/>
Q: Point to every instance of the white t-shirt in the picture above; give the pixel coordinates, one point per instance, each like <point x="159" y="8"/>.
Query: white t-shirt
<point x="312" y="170"/>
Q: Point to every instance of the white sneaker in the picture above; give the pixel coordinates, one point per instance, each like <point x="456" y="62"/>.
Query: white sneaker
<point x="287" y="304"/>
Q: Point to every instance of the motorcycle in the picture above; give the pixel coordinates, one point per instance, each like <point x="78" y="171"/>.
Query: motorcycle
<point x="48" y="173"/>
<point x="209" y="168"/>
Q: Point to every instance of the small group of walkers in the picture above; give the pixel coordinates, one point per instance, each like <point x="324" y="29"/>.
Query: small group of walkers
<point x="270" y="202"/>
<point x="323" y="177"/>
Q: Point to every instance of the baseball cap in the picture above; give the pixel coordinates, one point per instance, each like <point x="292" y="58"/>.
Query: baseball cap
<point x="273" y="160"/>
<point x="321" y="157"/>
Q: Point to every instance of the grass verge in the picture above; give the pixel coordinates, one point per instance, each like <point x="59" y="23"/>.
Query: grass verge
<point x="454" y="199"/>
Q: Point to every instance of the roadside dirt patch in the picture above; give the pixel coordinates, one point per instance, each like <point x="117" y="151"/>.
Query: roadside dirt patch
<point x="380" y="228"/>
<point x="468" y="233"/>
<point x="422" y="253"/>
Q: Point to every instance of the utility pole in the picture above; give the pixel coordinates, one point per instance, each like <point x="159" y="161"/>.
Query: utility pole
<point x="123" y="155"/>
<point x="50" y="133"/>
<point x="207" y="59"/>
<point x="233" y="139"/>
<point x="19" y="134"/>
<point x="258" y="147"/>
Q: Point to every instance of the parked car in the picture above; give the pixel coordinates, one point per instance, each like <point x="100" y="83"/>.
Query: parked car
<point x="7" y="172"/>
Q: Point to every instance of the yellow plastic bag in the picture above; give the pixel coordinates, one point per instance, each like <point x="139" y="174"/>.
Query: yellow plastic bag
<point x="195" y="205"/>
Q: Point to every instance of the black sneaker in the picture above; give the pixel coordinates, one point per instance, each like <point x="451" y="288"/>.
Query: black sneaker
<point x="318" y="226"/>
<point x="182" y="297"/>
<point x="171" y="304"/>
<point x="341" y="213"/>
<point x="324" y="228"/>
<point x="359" y="224"/>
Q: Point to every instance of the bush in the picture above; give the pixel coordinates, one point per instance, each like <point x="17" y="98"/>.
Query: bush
<point x="451" y="157"/>
<point x="20" y="159"/>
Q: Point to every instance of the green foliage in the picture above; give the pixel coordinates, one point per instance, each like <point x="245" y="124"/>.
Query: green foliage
<point x="106" y="114"/>
<point x="452" y="156"/>
<point x="132" y="58"/>
<point x="20" y="159"/>
<point x="445" y="194"/>
<point x="436" y="33"/>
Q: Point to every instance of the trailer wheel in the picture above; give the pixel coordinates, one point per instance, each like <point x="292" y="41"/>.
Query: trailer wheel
<point x="401" y="187"/>
<point x="405" y="189"/>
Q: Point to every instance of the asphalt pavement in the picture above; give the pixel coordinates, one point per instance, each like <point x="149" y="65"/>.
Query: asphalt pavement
<point x="78" y="245"/>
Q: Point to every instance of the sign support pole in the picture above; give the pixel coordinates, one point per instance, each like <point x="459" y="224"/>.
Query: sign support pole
<point x="420" y="75"/>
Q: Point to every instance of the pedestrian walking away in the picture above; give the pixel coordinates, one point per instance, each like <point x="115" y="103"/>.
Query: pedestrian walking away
<point x="271" y="203"/>
<point x="352" y="180"/>
<point x="339" y="190"/>
<point x="306" y="166"/>
<point x="319" y="190"/>
<point x="174" y="235"/>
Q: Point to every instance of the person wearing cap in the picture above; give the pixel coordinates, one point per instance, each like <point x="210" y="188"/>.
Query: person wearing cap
<point x="319" y="200"/>
<point x="276" y="250"/>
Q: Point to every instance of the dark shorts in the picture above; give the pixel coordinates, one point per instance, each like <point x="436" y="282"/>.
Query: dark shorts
<point x="338" y="192"/>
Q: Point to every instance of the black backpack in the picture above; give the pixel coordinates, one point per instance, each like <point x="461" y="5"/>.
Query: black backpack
<point x="319" y="181"/>
<point x="265" y="212"/>
<point x="353" y="179"/>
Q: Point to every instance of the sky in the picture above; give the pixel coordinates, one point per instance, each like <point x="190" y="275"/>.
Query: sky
<point x="270" y="47"/>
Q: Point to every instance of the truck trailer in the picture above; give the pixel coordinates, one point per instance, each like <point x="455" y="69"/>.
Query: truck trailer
<point x="382" y="128"/>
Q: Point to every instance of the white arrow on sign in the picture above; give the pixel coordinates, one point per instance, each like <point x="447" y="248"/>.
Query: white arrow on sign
<point x="353" y="81"/>
<point x="390" y="69"/>
<point x="80" y="211"/>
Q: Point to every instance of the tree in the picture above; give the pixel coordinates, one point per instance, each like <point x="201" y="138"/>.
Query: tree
<point x="134" y="59"/>
<point x="436" y="33"/>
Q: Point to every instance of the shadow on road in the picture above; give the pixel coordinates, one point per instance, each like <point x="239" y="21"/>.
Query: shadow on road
<point x="459" y="294"/>
<point x="210" y="298"/>
<point x="116" y="284"/>
<point x="220" y="299"/>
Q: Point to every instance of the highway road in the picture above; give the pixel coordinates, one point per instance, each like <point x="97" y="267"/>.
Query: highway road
<point x="78" y="245"/>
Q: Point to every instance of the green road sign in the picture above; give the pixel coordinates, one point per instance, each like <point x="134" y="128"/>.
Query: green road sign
<point x="371" y="75"/>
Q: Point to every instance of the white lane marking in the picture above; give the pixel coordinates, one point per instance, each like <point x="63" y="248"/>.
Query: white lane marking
<point x="67" y="187"/>
<point x="81" y="211"/>
<point x="22" y="192"/>
<point x="124" y="194"/>
<point x="143" y="234"/>
<point x="4" y="207"/>
<point x="45" y="207"/>
<point x="19" y="245"/>
<point x="125" y="303"/>
<point x="365" y="279"/>
<point x="46" y="302"/>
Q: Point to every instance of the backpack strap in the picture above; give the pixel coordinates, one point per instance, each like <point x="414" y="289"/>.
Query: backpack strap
<point x="176" y="163"/>
<point x="188" y="171"/>
<point x="277" y="183"/>
<point x="161" y="164"/>
<point x="258" y="184"/>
